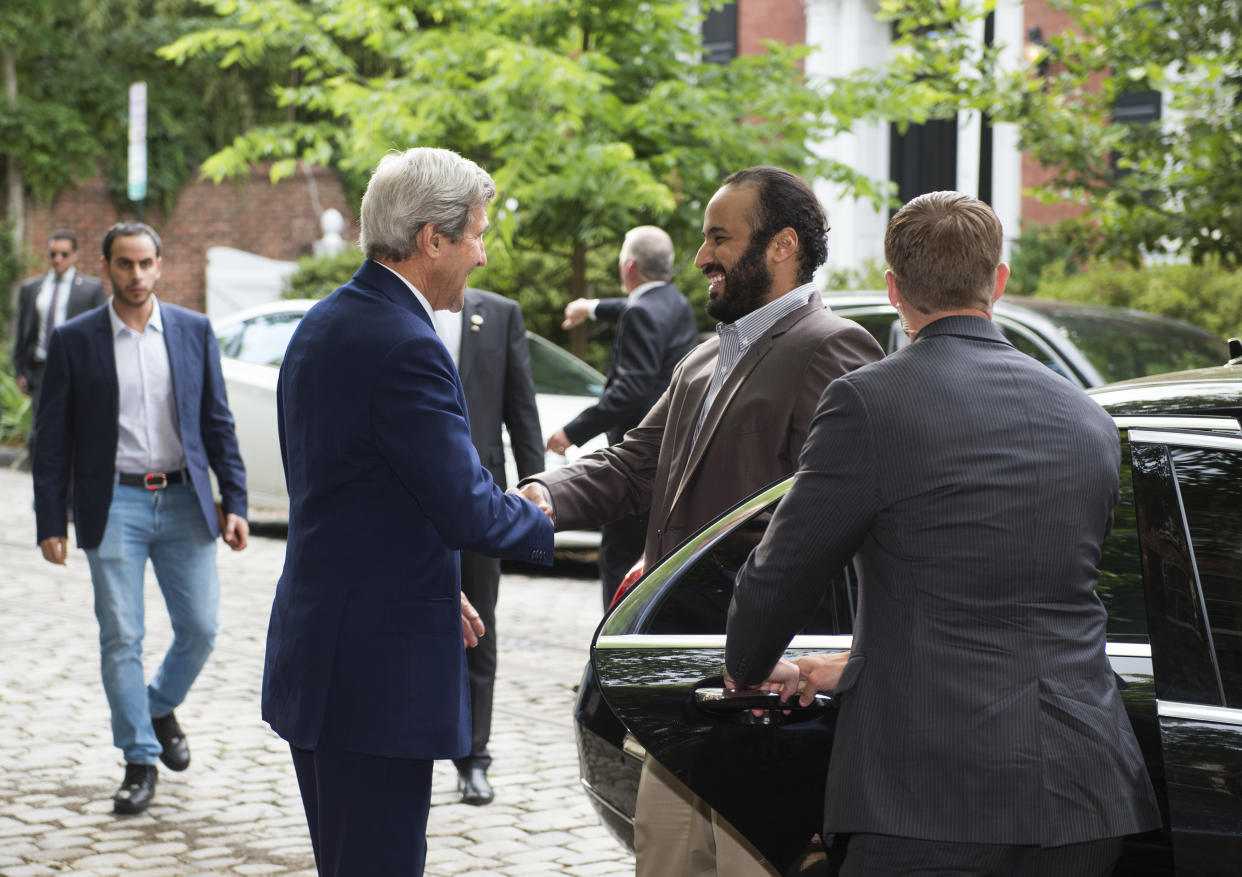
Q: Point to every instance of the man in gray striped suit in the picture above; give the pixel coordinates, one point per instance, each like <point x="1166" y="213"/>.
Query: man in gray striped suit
<point x="980" y="727"/>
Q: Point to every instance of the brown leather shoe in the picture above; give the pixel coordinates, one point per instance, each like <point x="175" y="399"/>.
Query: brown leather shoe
<point x="137" y="789"/>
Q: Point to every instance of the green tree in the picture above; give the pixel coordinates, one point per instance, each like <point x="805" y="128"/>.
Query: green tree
<point x="69" y="64"/>
<point x="592" y="115"/>
<point x="1168" y="187"/>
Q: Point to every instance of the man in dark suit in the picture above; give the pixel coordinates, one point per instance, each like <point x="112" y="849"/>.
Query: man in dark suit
<point x="487" y="340"/>
<point x="655" y="329"/>
<point x="980" y="728"/>
<point x="43" y="303"/>
<point x="133" y="409"/>
<point x="365" y="673"/>
<point x="732" y="420"/>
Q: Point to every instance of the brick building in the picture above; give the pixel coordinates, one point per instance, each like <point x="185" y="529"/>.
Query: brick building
<point x="279" y="221"/>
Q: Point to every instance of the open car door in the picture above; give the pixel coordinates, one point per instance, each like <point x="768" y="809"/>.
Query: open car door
<point x="659" y="656"/>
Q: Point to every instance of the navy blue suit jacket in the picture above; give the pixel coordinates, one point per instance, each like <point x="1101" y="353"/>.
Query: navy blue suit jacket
<point x="364" y="647"/>
<point x="78" y="414"/>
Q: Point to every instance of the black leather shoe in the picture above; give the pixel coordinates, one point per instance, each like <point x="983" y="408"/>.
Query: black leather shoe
<point x="176" y="754"/>
<point x="137" y="789"/>
<point x="474" y="787"/>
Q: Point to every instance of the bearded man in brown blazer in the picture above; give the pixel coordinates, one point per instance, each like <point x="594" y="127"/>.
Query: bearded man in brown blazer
<point x="732" y="420"/>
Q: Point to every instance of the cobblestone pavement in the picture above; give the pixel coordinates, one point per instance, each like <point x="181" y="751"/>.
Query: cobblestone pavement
<point x="236" y="811"/>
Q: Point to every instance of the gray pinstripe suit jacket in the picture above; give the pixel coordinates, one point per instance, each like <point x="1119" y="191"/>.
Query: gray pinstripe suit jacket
<point x="978" y="704"/>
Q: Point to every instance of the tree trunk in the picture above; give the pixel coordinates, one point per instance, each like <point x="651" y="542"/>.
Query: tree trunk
<point x="578" y="289"/>
<point x="16" y="210"/>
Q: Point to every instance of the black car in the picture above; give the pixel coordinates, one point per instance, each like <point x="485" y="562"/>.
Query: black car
<point x="1090" y="345"/>
<point x="1171" y="578"/>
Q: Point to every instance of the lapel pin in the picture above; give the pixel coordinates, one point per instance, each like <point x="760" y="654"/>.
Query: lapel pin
<point x="477" y="319"/>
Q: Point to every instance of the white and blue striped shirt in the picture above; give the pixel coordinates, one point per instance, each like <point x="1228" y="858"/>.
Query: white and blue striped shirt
<point x="736" y="338"/>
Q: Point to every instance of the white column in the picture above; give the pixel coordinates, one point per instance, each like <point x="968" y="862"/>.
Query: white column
<point x="1010" y="34"/>
<point x="845" y="36"/>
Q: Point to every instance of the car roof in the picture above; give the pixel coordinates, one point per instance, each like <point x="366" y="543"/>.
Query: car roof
<point x="1199" y="391"/>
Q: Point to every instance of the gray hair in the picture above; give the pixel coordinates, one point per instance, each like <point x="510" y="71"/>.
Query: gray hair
<point x="652" y="251"/>
<point x="413" y="188"/>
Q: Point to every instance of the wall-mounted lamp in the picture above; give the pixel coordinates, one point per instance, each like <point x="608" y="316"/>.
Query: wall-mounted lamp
<point x="1036" y="51"/>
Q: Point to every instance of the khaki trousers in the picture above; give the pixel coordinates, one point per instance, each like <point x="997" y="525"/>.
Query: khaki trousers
<point x="676" y="834"/>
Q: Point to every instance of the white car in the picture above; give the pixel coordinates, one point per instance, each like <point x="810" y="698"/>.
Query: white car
<point x="253" y="343"/>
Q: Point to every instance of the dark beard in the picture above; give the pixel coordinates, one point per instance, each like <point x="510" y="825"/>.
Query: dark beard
<point x="746" y="285"/>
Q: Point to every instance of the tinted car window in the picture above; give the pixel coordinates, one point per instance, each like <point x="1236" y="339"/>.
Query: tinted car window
<point x="1208" y="480"/>
<point x="1121" y="573"/>
<point x="698" y="600"/>
<point x="1180" y="643"/>
<point x="556" y="372"/>
<point x="1035" y="349"/>
<point x="1125" y="345"/>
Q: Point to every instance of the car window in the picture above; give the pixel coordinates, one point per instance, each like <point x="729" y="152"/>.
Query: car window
<point x="1180" y="643"/>
<point x="1208" y="480"/>
<point x="267" y="338"/>
<point x="1121" y="571"/>
<point x="557" y="372"/>
<point x="229" y="340"/>
<point x="883" y="326"/>
<point x="1124" y="345"/>
<point x="697" y="601"/>
<point x="1036" y="349"/>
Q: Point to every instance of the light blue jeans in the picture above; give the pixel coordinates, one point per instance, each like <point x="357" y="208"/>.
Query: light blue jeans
<point x="167" y="526"/>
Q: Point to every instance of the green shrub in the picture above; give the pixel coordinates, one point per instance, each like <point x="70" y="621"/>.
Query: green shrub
<point x="1206" y="295"/>
<point x="316" y="276"/>
<point x="1041" y="250"/>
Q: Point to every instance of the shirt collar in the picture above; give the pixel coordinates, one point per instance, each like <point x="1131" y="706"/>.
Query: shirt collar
<point x="754" y="325"/>
<point x="642" y="288"/>
<point x="67" y="277"/>
<point x="155" y="321"/>
<point x="412" y="288"/>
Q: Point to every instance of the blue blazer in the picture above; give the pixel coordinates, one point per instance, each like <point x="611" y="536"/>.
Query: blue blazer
<point x="364" y="646"/>
<point x="79" y="410"/>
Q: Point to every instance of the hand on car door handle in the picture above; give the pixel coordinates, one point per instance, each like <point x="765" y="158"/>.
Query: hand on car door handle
<point x="742" y="705"/>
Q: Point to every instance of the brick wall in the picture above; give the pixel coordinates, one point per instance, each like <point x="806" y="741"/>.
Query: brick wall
<point x="278" y="221"/>
<point x="1034" y="212"/>
<point x="759" y="20"/>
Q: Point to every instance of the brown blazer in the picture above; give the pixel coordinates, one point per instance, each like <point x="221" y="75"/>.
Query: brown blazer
<point x="751" y="436"/>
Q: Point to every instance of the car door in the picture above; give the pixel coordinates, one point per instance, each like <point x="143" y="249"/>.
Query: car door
<point x="658" y="657"/>
<point x="1189" y="522"/>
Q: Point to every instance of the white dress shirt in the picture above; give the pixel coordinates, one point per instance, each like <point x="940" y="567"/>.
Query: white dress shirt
<point x="448" y="327"/>
<point x="148" y="439"/>
<point x="44" y="301"/>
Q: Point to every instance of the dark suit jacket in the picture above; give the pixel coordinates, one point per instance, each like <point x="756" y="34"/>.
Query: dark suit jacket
<point x="494" y="364"/>
<point x="751" y="436"/>
<point x="364" y="647"/>
<point x="77" y="422"/>
<point x="978" y="705"/>
<point x="653" y="334"/>
<point x="85" y="293"/>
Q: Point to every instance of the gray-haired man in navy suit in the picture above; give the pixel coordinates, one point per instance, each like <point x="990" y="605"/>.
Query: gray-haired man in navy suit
<point x="980" y="729"/>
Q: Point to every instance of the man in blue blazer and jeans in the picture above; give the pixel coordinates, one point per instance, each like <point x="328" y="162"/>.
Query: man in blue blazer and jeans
<point x="365" y="673"/>
<point x="133" y="410"/>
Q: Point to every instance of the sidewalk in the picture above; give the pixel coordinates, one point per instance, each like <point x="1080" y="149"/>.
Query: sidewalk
<point x="236" y="811"/>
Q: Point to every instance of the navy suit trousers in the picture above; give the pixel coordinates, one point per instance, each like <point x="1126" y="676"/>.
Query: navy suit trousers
<point x="367" y="814"/>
